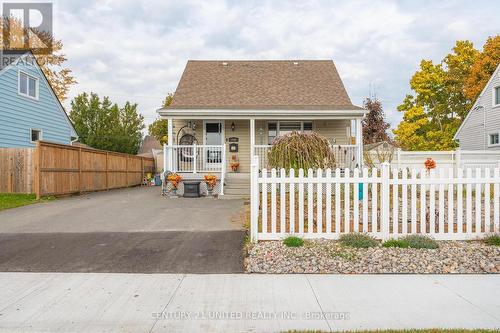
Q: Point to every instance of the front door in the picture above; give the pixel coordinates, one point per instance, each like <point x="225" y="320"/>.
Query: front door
<point x="213" y="139"/>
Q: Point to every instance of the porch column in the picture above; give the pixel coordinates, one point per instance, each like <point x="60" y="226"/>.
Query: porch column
<point x="359" y="143"/>
<point x="252" y="138"/>
<point x="170" y="139"/>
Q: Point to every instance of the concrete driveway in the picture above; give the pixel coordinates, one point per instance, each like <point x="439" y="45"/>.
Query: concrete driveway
<point x="127" y="230"/>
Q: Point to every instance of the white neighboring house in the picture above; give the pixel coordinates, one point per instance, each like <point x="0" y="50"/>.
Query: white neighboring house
<point x="481" y="128"/>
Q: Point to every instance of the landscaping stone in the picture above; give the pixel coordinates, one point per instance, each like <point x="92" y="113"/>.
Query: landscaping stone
<point x="327" y="256"/>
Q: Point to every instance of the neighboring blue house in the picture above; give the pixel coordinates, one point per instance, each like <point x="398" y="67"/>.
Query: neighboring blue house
<point x="29" y="108"/>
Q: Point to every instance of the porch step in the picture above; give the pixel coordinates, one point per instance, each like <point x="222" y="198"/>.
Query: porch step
<point x="237" y="191"/>
<point x="234" y="196"/>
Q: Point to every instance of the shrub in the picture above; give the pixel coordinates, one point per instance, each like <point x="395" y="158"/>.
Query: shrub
<point x="301" y="151"/>
<point x="493" y="240"/>
<point x="293" y="241"/>
<point x="420" y="242"/>
<point x="358" y="240"/>
<point x="395" y="243"/>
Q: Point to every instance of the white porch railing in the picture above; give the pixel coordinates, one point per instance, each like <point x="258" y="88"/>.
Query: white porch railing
<point x="196" y="159"/>
<point x="345" y="156"/>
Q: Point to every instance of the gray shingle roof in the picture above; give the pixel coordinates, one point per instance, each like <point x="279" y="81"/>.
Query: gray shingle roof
<point x="283" y="84"/>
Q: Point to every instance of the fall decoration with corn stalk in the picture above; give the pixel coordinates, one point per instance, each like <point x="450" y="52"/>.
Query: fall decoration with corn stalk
<point x="211" y="181"/>
<point x="301" y="151"/>
<point x="174" y="179"/>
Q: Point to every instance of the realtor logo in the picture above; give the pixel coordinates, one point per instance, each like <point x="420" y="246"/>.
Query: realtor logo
<point x="27" y="26"/>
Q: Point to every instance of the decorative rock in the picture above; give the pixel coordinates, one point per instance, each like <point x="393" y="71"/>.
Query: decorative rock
<point x="326" y="256"/>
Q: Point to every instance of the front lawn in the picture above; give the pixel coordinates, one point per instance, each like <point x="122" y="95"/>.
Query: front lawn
<point x="13" y="200"/>
<point x="431" y="330"/>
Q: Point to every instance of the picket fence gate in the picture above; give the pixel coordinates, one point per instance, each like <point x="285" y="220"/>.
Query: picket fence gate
<point x="386" y="203"/>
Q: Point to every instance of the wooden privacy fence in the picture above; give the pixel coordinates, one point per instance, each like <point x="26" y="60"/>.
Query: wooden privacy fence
<point x="61" y="169"/>
<point x="16" y="165"/>
<point x="384" y="203"/>
<point x="55" y="169"/>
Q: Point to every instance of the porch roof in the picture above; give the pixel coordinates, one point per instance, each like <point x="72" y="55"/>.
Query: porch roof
<point x="255" y="88"/>
<point x="261" y="114"/>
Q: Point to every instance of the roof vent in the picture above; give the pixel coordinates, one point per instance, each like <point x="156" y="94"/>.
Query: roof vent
<point x="295" y="63"/>
<point x="225" y="64"/>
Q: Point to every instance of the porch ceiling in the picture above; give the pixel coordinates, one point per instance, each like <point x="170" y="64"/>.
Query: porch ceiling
<point x="260" y="114"/>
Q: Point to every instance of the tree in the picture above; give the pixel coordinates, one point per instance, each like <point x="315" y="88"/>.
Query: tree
<point x="159" y="128"/>
<point x="483" y="68"/>
<point x="301" y="151"/>
<point x="374" y="125"/>
<point x="52" y="64"/>
<point x="433" y="114"/>
<point x="103" y="125"/>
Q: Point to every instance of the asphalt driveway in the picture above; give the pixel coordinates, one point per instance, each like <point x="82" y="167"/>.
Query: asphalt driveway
<point x="128" y="230"/>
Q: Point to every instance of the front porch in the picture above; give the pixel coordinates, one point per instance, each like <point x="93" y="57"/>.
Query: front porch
<point x="197" y="147"/>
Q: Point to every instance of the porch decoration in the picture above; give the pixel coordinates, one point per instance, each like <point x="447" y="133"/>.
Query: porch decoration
<point x="301" y="150"/>
<point x="211" y="181"/>
<point x="430" y="164"/>
<point x="235" y="164"/>
<point x="174" y="179"/>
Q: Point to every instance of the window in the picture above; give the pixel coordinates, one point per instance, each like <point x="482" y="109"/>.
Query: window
<point x="28" y="85"/>
<point x="289" y="127"/>
<point x="494" y="139"/>
<point x="307" y="126"/>
<point x="496" y="96"/>
<point x="275" y="129"/>
<point x="36" y="135"/>
<point x="272" y="130"/>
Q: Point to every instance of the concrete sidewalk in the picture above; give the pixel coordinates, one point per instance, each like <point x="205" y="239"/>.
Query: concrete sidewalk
<point x="79" y="302"/>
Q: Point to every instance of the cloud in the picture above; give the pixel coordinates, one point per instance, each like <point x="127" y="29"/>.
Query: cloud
<point x="136" y="50"/>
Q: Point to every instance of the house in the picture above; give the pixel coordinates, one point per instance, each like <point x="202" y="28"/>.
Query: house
<point x="379" y="152"/>
<point x="148" y="145"/>
<point x="225" y="112"/>
<point x="29" y="108"/>
<point x="480" y="130"/>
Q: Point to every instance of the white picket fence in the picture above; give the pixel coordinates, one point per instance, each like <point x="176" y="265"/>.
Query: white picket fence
<point x="386" y="203"/>
<point x="445" y="160"/>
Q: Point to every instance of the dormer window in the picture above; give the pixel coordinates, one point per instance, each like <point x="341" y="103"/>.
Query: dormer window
<point x="28" y="85"/>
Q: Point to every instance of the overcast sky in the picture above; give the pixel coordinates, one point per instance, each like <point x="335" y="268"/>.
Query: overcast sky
<point x="136" y="50"/>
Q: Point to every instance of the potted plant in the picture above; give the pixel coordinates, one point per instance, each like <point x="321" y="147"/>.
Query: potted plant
<point x="175" y="180"/>
<point x="211" y="181"/>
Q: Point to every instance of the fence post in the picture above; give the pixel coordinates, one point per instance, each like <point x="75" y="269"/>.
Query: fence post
<point x="80" y="170"/>
<point x="107" y="173"/>
<point x="254" y="199"/>
<point x="399" y="158"/>
<point x="384" y="201"/>
<point x="38" y="171"/>
<point x="458" y="159"/>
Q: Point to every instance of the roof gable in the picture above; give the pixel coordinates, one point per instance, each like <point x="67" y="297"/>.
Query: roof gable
<point x="475" y="105"/>
<point x="302" y="84"/>
<point x="21" y="62"/>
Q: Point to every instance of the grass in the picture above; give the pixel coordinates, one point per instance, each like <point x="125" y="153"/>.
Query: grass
<point x="493" y="240"/>
<point x="293" y="241"/>
<point x="429" y="330"/>
<point x="413" y="241"/>
<point x="420" y="242"/>
<point x="358" y="240"/>
<point x="13" y="200"/>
